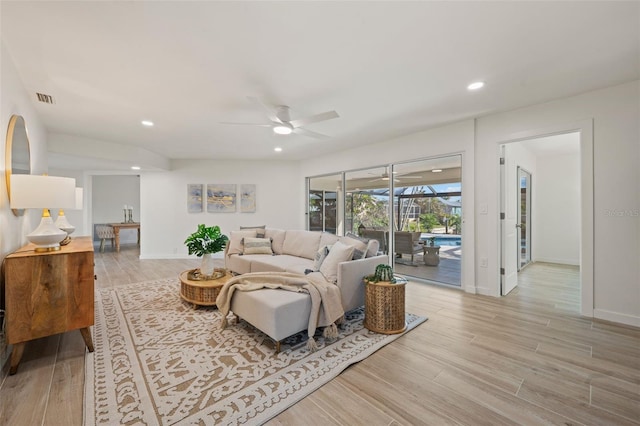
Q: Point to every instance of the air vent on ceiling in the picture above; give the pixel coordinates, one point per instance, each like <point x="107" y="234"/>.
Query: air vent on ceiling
<point x="47" y="99"/>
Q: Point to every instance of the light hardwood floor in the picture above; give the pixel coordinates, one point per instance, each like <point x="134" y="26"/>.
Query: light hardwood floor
<point x="527" y="358"/>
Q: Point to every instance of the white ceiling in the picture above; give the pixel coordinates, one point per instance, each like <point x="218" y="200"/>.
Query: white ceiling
<point x="388" y="68"/>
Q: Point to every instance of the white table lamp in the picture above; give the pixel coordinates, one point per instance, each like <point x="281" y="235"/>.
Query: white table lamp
<point x="62" y="222"/>
<point x="43" y="192"/>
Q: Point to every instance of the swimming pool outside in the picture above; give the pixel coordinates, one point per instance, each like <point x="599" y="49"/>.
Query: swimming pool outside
<point x="443" y="240"/>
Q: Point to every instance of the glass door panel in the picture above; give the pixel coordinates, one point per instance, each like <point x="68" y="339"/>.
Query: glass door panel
<point x="427" y="206"/>
<point x="325" y="203"/>
<point x="367" y="204"/>
<point x="524" y="218"/>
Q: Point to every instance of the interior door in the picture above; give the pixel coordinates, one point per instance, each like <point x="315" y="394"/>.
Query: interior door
<point x="509" y="219"/>
<point x="524" y="218"/>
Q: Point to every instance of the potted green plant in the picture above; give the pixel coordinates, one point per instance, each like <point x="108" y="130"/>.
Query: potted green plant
<point x="431" y="253"/>
<point x="383" y="273"/>
<point x="206" y="241"/>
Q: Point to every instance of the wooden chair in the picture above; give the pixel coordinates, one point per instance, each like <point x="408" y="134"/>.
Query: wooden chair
<point x="405" y="244"/>
<point x="105" y="232"/>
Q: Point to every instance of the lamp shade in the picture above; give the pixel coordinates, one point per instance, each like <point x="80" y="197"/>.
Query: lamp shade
<point x="52" y="192"/>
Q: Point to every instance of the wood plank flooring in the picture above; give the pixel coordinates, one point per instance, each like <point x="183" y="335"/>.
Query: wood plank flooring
<point x="524" y="359"/>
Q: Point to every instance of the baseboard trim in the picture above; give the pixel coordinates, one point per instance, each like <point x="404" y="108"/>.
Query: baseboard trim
<point x="616" y="317"/>
<point x="571" y="262"/>
<point x="160" y="256"/>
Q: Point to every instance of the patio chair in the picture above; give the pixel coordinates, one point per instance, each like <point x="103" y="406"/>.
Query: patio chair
<point x="374" y="234"/>
<point x="105" y="232"/>
<point x="405" y="244"/>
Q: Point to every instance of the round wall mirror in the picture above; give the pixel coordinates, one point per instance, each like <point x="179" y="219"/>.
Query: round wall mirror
<point x="17" y="155"/>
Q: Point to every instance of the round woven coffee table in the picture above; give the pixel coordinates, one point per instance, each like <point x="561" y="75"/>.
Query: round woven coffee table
<point x="201" y="293"/>
<point x="384" y="307"/>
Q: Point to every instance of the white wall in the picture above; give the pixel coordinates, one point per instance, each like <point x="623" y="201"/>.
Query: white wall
<point x="556" y="218"/>
<point x="14" y="99"/>
<point x="451" y="139"/>
<point x="615" y="269"/>
<point x="165" y="223"/>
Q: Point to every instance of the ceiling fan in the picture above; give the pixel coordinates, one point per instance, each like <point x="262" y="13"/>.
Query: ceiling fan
<point x="282" y="124"/>
<point x="396" y="178"/>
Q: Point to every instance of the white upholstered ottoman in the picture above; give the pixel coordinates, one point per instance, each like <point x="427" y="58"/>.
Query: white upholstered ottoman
<point x="277" y="313"/>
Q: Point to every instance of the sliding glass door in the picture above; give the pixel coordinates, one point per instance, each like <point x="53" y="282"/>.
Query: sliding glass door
<point x="325" y="203"/>
<point x="414" y="209"/>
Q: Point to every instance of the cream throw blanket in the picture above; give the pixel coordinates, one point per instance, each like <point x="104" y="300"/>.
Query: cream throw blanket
<point x="326" y="301"/>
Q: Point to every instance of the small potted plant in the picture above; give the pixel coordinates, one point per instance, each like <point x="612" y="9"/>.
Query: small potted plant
<point x="206" y="241"/>
<point x="383" y="273"/>
<point x="431" y="253"/>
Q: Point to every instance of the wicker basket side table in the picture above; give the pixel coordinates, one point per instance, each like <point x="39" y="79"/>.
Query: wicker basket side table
<point x="201" y="293"/>
<point x="384" y="307"/>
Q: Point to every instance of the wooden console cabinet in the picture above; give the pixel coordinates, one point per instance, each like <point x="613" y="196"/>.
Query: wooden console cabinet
<point x="48" y="293"/>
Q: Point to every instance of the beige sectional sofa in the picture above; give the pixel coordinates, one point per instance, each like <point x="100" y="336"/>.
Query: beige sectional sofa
<point x="280" y="313"/>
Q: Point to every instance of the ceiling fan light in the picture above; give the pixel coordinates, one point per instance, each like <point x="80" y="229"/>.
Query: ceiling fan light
<point x="282" y="130"/>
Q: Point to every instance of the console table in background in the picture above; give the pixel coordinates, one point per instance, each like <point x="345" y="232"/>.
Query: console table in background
<point x="125" y="225"/>
<point x="48" y="293"/>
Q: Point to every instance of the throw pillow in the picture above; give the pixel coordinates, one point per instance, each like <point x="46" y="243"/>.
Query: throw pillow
<point x="339" y="253"/>
<point x="321" y="254"/>
<point x="357" y="244"/>
<point x="260" y="229"/>
<point x="236" y="243"/>
<point x="257" y="245"/>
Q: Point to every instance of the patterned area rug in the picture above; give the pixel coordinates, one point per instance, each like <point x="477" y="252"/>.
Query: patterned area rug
<point x="157" y="361"/>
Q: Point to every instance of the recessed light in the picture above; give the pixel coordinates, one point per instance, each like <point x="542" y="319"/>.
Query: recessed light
<point x="277" y="149"/>
<point x="135" y="167"/>
<point x="436" y="170"/>
<point x="147" y="123"/>
<point x="476" y="85"/>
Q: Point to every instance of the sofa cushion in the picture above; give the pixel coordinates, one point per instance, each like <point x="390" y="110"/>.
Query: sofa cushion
<point x="327" y="239"/>
<point x="339" y="253"/>
<point x="301" y="243"/>
<point x="236" y="241"/>
<point x="239" y="264"/>
<point x="281" y="263"/>
<point x="257" y="246"/>
<point x="278" y="313"/>
<point x="277" y="239"/>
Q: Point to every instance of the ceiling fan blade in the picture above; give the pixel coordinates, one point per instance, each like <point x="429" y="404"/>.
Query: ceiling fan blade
<point x="271" y="113"/>
<point x="408" y="177"/>
<point x="314" y="119"/>
<point x="245" y="124"/>
<point x="305" y="132"/>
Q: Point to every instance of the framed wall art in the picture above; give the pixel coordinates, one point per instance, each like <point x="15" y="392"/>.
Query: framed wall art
<point x="194" y="198"/>
<point x="221" y="198"/>
<point x="247" y="198"/>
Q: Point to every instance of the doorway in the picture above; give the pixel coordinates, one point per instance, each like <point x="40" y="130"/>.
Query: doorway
<point x="541" y="222"/>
